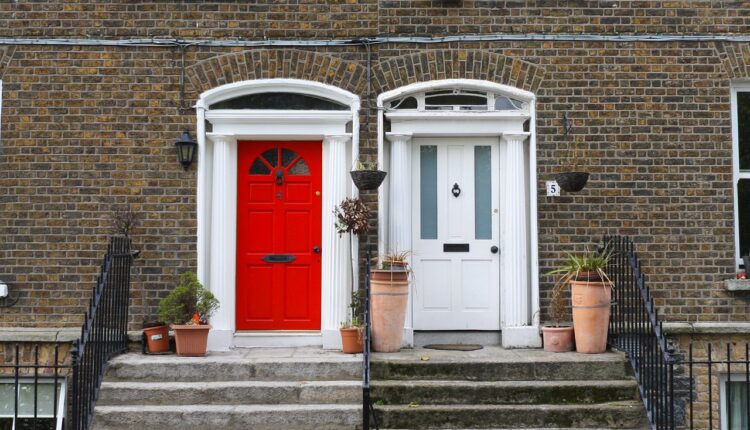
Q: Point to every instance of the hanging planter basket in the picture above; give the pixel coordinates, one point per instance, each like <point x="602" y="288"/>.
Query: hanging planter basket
<point x="572" y="182"/>
<point x="367" y="179"/>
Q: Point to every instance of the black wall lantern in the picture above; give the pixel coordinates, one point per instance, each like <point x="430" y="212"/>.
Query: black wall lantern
<point x="186" y="150"/>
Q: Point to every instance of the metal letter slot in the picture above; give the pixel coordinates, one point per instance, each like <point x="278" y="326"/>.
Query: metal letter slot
<point x="279" y="258"/>
<point x="455" y="247"/>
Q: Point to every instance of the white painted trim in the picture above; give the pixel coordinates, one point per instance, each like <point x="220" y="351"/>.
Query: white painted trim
<point x="425" y="124"/>
<point x="217" y="197"/>
<point x="742" y="86"/>
<point x="279" y="339"/>
<point x="468" y="84"/>
<point x="311" y="88"/>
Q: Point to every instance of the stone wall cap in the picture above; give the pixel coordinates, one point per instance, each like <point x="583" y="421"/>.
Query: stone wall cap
<point x="671" y="328"/>
<point x="39" y="334"/>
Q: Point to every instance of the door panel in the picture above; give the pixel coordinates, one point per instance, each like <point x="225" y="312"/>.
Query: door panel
<point x="457" y="290"/>
<point x="278" y="213"/>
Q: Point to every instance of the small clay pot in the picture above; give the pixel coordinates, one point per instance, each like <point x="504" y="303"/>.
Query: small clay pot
<point x="351" y="340"/>
<point x="157" y="339"/>
<point x="558" y="339"/>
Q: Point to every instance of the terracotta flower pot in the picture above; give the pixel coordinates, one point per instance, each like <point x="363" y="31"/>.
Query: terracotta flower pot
<point x="351" y="340"/>
<point x="591" y="308"/>
<point x="558" y="339"/>
<point x="191" y="340"/>
<point x="389" y="291"/>
<point x="157" y="339"/>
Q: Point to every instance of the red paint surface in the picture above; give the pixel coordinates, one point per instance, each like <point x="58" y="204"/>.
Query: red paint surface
<point x="278" y="219"/>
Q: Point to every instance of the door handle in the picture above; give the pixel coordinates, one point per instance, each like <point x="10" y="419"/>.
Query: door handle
<point x="494" y="249"/>
<point x="316" y="249"/>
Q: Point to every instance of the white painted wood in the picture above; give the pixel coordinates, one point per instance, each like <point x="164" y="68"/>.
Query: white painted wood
<point x="336" y="292"/>
<point x="399" y="232"/>
<point x="533" y="228"/>
<point x="515" y="269"/>
<point x="274" y="339"/>
<point x="455" y="290"/>
<point x="223" y="239"/>
<point x="217" y="194"/>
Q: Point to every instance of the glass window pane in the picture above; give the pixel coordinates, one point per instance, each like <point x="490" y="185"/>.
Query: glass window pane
<point x="428" y="191"/>
<point x="743" y="129"/>
<point x="6" y="398"/>
<point x="505" y="103"/>
<point x="483" y="192"/>
<point x="272" y="156"/>
<point x="40" y="424"/>
<point x="456" y="99"/>
<point x="737" y="404"/>
<point x="406" y="103"/>
<point x="284" y="101"/>
<point x="287" y="156"/>
<point x="743" y="212"/>
<point x="300" y="168"/>
<point x="259" y="168"/>
<point x="44" y="400"/>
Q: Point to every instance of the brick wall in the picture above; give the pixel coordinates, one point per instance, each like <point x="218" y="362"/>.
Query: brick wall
<point x="86" y="130"/>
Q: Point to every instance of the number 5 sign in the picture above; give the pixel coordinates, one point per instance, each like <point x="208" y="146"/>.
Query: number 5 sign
<point x="553" y="189"/>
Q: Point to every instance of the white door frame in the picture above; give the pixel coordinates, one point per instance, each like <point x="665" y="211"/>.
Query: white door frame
<point x="217" y="199"/>
<point x="519" y="312"/>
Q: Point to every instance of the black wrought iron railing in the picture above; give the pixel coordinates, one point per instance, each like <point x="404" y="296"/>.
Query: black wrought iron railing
<point x="635" y="329"/>
<point x="103" y="334"/>
<point x="367" y="407"/>
<point x="36" y="374"/>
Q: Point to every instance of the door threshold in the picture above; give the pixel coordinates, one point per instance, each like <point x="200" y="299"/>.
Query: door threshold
<point x="277" y="339"/>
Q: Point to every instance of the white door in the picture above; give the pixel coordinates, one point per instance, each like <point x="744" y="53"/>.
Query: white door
<point x="455" y="219"/>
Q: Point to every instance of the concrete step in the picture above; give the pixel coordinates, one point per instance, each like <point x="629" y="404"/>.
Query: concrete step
<point x="228" y="417"/>
<point x="135" y="367"/>
<point x="502" y="392"/>
<point x="230" y="393"/>
<point x="612" y="415"/>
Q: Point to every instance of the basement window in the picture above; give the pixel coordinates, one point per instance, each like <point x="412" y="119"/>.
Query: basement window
<point x="734" y="398"/>
<point x="279" y="101"/>
<point x="17" y="407"/>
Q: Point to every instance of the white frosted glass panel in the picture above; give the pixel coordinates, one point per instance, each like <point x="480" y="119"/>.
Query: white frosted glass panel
<point x="428" y="191"/>
<point x="482" y="192"/>
<point x="475" y="284"/>
<point x="435" y="277"/>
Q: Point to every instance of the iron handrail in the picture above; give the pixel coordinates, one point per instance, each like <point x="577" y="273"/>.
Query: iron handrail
<point x="636" y="330"/>
<point x="367" y="406"/>
<point x="103" y="333"/>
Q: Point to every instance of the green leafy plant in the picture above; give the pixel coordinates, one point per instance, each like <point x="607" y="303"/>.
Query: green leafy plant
<point x="395" y="259"/>
<point x="187" y="300"/>
<point x="352" y="216"/>
<point x="573" y="268"/>
<point x="356" y="311"/>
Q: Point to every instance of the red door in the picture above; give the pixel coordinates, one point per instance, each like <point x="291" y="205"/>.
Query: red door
<point x="278" y="235"/>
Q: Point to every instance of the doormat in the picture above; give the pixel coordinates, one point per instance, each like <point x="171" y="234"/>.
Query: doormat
<point x="453" y="346"/>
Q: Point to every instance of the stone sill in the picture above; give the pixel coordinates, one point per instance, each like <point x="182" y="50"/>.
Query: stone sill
<point x="34" y="334"/>
<point x="672" y="328"/>
<point x="737" y="284"/>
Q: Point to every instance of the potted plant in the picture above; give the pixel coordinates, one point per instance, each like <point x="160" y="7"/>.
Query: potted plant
<point x="366" y="176"/>
<point x="352" y="217"/>
<point x="156" y="334"/>
<point x="389" y="287"/>
<point x="187" y="309"/>
<point x="591" y="293"/>
<point x="572" y="178"/>
<point x="352" y="330"/>
<point x="557" y="337"/>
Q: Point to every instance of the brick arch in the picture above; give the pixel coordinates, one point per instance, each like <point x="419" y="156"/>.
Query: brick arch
<point x="6" y="54"/>
<point x="269" y="64"/>
<point x="455" y="64"/>
<point x="735" y="59"/>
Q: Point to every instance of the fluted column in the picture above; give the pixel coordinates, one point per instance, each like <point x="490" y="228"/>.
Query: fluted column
<point x="514" y="227"/>
<point x="223" y="243"/>
<point x="399" y="207"/>
<point x="336" y="275"/>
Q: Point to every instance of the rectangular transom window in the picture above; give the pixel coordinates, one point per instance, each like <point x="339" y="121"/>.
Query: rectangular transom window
<point x="741" y="167"/>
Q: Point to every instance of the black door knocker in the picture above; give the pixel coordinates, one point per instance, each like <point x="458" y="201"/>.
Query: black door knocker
<point x="279" y="177"/>
<point x="456" y="190"/>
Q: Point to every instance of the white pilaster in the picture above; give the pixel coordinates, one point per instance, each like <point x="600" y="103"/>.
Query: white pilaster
<point x="223" y="244"/>
<point x="336" y="275"/>
<point x="399" y="209"/>
<point x="515" y="277"/>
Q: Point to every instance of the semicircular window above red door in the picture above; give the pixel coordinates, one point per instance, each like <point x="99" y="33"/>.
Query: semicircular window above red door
<point x="283" y="159"/>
